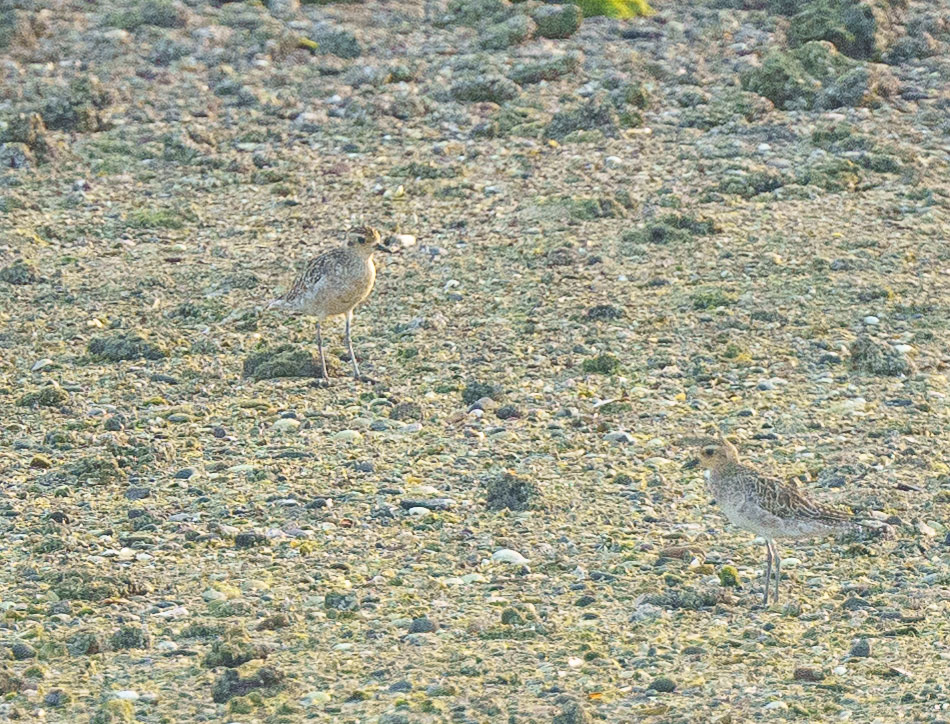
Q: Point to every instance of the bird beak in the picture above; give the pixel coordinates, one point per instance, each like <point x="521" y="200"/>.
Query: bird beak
<point x="691" y="464"/>
<point x="382" y="247"/>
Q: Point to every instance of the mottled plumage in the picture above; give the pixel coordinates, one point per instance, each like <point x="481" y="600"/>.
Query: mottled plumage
<point x="333" y="283"/>
<point x="766" y="506"/>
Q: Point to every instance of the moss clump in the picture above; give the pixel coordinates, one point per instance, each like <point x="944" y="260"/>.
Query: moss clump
<point x="558" y="21"/>
<point x="752" y="184"/>
<point x="80" y="108"/>
<point x="729" y="576"/>
<point x="510" y="491"/>
<point x="783" y="80"/>
<point x="599" y="114"/>
<point x="114" y="711"/>
<point x="157" y="219"/>
<point x="849" y="25"/>
<point x="95" y="470"/>
<point x="19" y="273"/>
<point x="159" y="13"/>
<point x="85" y="643"/>
<point x="285" y="360"/>
<point x="488" y="87"/>
<point x="831" y="174"/>
<point x="878" y="358"/>
<point x="711" y="299"/>
<point x="622" y="9"/>
<point x="475" y="390"/>
<point x="406" y="411"/>
<point x="605" y="364"/>
<point x="123" y="346"/>
<point x="232" y="653"/>
<point x="604" y="311"/>
<point x="672" y="228"/>
<point x="230" y="684"/>
<point x="49" y="396"/>
<point x="341" y="43"/>
<point x="548" y="69"/>
<point x="82" y="585"/>
<point x="511" y="31"/>
<point x="130" y="637"/>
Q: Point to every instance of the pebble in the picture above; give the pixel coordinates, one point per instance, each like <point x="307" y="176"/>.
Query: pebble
<point x="871" y="320"/>
<point x="351" y="436"/>
<point x="41" y="364"/>
<point x="776" y="705"/>
<point x="314" y="698"/>
<point x="618" y="436"/>
<point x="286" y="424"/>
<point x="419" y="511"/>
<point x="860" y="648"/>
<point x="663" y="684"/>
<point x="422" y="625"/>
<point x="127" y="694"/>
<point x="506" y="555"/>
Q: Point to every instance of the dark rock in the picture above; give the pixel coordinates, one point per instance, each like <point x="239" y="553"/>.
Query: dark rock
<point x="604" y="311"/>
<point x="422" y="625"/>
<point x="184" y="474"/>
<point x="860" y="648"/>
<point x="507" y="412"/>
<point x="663" y="684"/>
<point x="137" y="493"/>
<point x="249" y="539"/>
<point x="584" y="601"/>
<point x="400" y="687"/>
<point x="429" y="504"/>
<point x="56" y="698"/>
<point x="22" y="651"/>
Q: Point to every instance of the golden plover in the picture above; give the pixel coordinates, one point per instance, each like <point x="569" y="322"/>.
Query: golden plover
<point x="332" y="284"/>
<point x="766" y="506"/>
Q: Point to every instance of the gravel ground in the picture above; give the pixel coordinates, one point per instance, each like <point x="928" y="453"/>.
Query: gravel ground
<point x="608" y="243"/>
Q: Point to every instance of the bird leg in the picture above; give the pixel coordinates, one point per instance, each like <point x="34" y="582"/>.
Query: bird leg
<point x="777" y="558"/>
<point x="768" y="571"/>
<point x="349" y="345"/>
<point x="323" y="361"/>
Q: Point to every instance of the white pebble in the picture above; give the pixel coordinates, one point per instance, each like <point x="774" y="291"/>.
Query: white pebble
<point x="776" y="705"/>
<point x="347" y="436"/>
<point x="286" y="424"/>
<point x="871" y="320"/>
<point x="127" y="694"/>
<point x="506" y="555"/>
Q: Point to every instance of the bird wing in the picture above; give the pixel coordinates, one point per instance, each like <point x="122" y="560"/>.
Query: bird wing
<point x="786" y="500"/>
<point x="309" y="280"/>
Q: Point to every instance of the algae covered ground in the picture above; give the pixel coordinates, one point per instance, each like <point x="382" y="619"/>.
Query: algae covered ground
<point x="612" y="236"/>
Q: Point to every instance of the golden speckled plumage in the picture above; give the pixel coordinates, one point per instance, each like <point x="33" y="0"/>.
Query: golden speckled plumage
<point x="333" y="283"/>
<point x="766" y="506"/>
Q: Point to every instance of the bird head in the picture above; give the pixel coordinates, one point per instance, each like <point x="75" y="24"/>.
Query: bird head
<point x="366" y="240"/>
<point x="717" y="452"/>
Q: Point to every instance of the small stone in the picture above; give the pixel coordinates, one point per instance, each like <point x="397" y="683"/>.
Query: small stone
<point x="184" y="474"/>
<point x="860" y="648"/>
<point x="803" y="673"/>
<point x="249" y="539"/>
<point x="137" y="493"/>
<point x="506" y="555"/>
<point x="56" y="698"/>
<point x="350" y="436"/>
<point x="853" y="603"/>
<point x="286" y="424"/>
<point x="422" y="625"/>
<point x="871" y="320"/>
<point x="663" y="684"/>
<point x="619" y="436"/>
<point x="22" y="651"/>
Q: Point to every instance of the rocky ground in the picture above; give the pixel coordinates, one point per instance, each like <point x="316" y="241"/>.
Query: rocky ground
<point x="612" y="236"/>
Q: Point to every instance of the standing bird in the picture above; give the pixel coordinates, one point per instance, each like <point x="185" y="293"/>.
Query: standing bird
<point x="333" y="283"/>
<point x="766" y="506"/>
